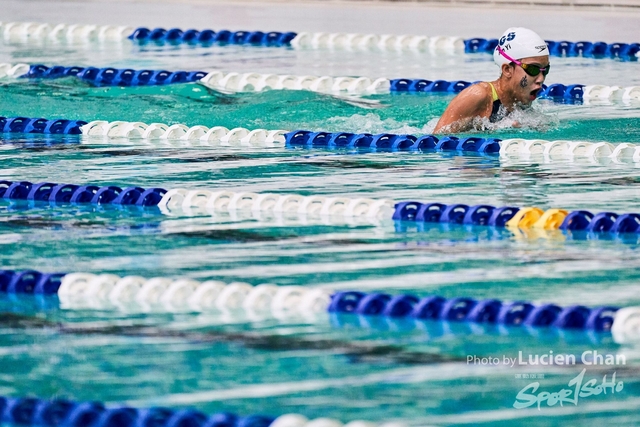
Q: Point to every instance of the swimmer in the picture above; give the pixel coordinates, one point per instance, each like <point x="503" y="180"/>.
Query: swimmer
<point x="523" y="58"/>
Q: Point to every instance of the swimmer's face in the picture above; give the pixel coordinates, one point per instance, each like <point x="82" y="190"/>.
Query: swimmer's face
<point x="524" y="86"/>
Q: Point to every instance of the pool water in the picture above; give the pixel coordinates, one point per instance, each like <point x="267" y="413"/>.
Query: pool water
<point x="319" y="365"/>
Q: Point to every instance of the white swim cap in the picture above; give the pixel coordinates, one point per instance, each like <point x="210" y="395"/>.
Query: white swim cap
<point x="519" y="43"/>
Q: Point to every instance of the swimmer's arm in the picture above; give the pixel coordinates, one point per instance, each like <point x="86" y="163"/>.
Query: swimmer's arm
<point x="458" y="117"/>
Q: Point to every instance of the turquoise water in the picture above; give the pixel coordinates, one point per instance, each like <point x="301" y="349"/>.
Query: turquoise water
<point x="317" y="365"/>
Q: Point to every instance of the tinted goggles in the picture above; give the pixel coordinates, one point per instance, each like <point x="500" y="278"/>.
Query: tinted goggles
<point x="531" y="69"/>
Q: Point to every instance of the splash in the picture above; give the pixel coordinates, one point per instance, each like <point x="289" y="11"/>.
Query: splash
<point x="535" y="118"/>
<point x="373" y="123"/>
<point x="519" y="120"/>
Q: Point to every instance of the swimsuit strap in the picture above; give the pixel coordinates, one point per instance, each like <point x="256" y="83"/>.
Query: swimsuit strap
<point x="494" y="93"/>
<point x="495" y="108"/>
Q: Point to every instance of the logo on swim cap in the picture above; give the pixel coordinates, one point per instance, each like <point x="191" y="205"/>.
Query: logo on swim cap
<point x="520" y="43"/>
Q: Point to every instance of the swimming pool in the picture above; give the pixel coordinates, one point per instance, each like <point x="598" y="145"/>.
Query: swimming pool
<point x="346" y="367"/>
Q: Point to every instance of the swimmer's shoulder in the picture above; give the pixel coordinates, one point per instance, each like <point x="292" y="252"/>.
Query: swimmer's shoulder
<point x="479" y="95"/>
<point x="479" y="91"/>
<point x="474" y="101"/>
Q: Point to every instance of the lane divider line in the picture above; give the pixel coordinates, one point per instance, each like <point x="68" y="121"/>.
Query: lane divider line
<point x="67" y="413"/>
<point x="92" y="291"/>
<point x="518" y="218"/>
<point x="203" y="136"/>
<point x="415" y="211"/>
<point x="256" y="82"/>
<point x="58" y="32"/>
<point x="216" y="135"/>
<point x="202" y="201"/>
<point x="305" y="40"/>
<point x="209" y="37"/>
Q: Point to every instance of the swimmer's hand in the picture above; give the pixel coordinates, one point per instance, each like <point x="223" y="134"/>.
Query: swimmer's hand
<point x="516" y="124"/>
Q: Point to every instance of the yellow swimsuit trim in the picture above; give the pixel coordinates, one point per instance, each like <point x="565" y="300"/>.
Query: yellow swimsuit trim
<point x="494" y="93"/>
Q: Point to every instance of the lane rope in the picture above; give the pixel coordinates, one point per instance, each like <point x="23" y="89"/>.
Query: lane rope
<point x="228" y="201"/>
<point x="518" y="218"/>
<point x="304" y="40"/>
<point x="577" y="92"/>
<point x="208" y="201"/>
<point x="569" y="150"/>
<point x="41" y="126"/>
<point x="67" y="413"/>
<point x="384" y="42"/>
<point x="387" y="42"/>
<point x="84" y="290"/>
<point x="203" y="136"/>
<point x="209" y="37"/>
<point x="58" y="32"/>
<point x="256" y="82"/>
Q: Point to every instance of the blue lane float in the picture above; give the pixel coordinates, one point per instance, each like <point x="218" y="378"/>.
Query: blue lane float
<point x="41" y="126"/>
<point x="480" y="45"/>
<point x="563" y="93"/>
<point x="454" y="213"/>
<point x="465" y="309"/>
<point x="556" y="92"/>
<point x="67" y="413"/>
<point x="622" y="51"/>
<point x="422" y="85"/>
<point x="29" y="282"/>
<point x="114" y="76"/>
<point x="387" y="141"/>
<point x="462" y="309"/>
<point x="73" y="193"/>
<point x="209" y="37"/>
